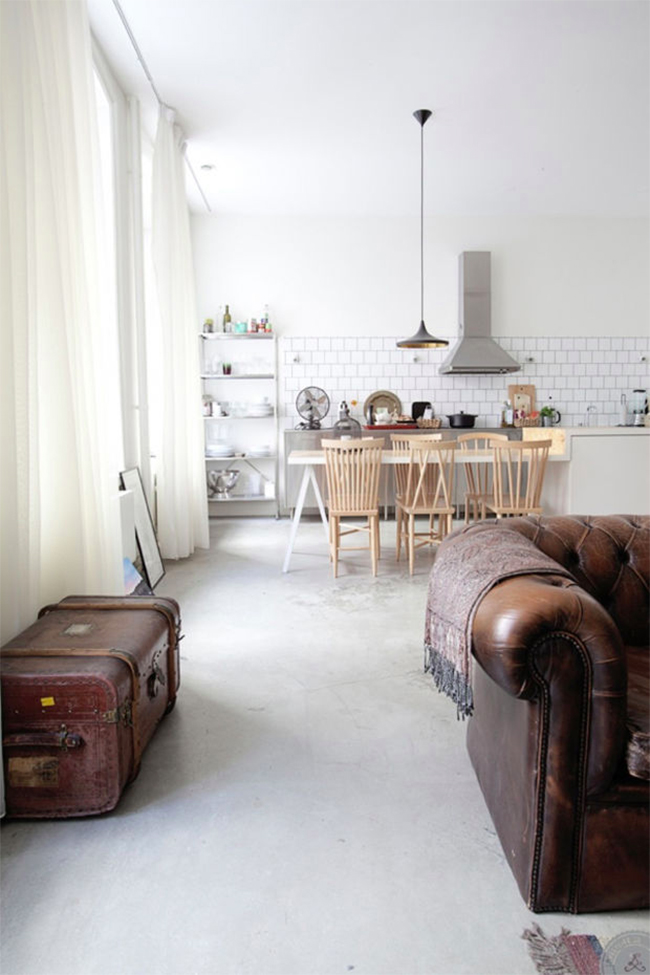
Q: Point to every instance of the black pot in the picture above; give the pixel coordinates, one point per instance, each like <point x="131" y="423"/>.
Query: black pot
<point x="462" y="419"/>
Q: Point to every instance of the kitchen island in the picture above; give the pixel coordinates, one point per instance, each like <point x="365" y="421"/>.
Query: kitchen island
<point x="608" y="471"/>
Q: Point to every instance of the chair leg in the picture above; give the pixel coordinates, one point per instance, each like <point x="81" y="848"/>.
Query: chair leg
<point x="372" y="525"/>
<point x="411" y="543"/>
<point x="336" y="541"/>
<point x="378" y="535"/>
<point x="398" y="540"/>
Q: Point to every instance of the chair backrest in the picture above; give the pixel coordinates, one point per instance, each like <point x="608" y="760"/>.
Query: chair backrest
<point x="478" y="475"/>
<point x="519" y="468"/>
<point x="353" y="468"/>
<point x="430" y="478"/>
<point x="400" y="442"/>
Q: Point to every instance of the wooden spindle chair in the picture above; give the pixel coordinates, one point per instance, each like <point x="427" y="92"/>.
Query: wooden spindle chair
<point x="353" y="468"/>
<point x="478" y="474"/>
<point x="427" y="490"/>
<point x="518" y="477"/>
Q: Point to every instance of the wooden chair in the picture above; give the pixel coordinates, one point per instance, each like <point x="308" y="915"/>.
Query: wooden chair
<point x="400" y="442"/>
<point x="478" y="475"/>
<point x="518" y="477"/>
<point x="426" y="490"/>
<point x="353" y="468"/>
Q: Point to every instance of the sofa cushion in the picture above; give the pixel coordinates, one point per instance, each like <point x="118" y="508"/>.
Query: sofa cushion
<point x="638" y="711"/>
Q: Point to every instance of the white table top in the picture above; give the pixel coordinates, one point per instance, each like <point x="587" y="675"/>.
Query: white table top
<point x="316" y="458"/>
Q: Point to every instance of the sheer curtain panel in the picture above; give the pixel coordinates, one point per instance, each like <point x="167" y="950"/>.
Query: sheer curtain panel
<point x="59" y="384"/>
<point x="181" y="492"/>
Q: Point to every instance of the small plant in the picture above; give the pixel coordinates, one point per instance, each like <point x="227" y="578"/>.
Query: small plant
<point x="547" y="411"/>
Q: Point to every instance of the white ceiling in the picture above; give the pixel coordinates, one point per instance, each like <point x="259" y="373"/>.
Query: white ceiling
<point x="305" y="106"/>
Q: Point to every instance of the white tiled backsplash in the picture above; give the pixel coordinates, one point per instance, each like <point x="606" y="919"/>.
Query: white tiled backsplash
<point x="575" y="372"/>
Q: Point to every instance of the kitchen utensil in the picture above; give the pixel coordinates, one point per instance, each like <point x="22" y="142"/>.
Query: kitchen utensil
<point x="639" y="406"/>
<point x="383" y="399"/>
<point x="622" y="422"/>
<point x="313" y="405"/>
<point x="418" y="408"/>
<point x="461" y="419"/>
<point x="370" y="415"/>
<point x="382" y="417"/>
<point x="224" y="481"/>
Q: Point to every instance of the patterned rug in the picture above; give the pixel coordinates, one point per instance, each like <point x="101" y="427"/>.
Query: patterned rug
<point x="565" y="954"/>
<point x="583" y="954"/>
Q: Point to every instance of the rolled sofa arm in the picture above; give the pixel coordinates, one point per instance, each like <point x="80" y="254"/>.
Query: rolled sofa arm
<point x="532" y="634"/>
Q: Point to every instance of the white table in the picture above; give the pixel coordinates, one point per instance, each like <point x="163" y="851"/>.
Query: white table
<point x="310" y="459"/>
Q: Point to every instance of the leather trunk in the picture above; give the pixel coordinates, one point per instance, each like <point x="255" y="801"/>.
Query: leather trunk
<point x="83" y="690"/>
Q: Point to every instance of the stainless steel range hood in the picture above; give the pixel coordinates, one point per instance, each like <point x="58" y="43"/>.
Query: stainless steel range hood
<point x="476" y="351"/>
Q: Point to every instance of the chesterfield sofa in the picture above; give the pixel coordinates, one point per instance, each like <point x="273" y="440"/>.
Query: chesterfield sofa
<point x="559" y="733"/>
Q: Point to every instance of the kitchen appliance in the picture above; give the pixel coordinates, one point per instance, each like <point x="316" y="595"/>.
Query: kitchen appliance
<point x="346" y="427"/>
<point x="462" y="419"/>
<point x="313" y="405"/>
<point x="418" y="408"/>
<point x="639" y="406"/>
<point x="476" y="352"/>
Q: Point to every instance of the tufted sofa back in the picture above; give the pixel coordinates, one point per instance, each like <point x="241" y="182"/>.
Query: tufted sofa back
<point x="608" y="555"/>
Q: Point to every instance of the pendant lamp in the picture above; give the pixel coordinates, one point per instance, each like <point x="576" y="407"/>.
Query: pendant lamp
<point x="422" y="339"/>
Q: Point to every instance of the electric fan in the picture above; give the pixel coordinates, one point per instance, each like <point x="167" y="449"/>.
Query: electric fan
<point x="312" y="404"/>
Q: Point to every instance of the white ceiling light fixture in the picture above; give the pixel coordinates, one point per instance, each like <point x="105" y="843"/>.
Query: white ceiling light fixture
<point x="422" y="338"/>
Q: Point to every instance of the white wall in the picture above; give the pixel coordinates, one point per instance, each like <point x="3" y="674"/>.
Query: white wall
<point x="335" y="276"/>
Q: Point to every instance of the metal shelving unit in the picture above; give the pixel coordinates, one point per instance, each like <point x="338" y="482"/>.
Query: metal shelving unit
<point x="254" y="357"/>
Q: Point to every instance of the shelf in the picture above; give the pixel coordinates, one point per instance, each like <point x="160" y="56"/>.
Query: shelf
<point x="249" y="375"/>
<point x="270" y="416"/>
<point x="238" y="336"/>
<point x="242" y="497"/>
<point x="243" y="457"/>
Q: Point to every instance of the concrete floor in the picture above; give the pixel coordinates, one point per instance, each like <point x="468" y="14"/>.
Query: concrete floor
<point x="308" y="808"/>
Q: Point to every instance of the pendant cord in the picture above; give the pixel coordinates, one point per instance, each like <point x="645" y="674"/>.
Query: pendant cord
<point x="422" y="223"/>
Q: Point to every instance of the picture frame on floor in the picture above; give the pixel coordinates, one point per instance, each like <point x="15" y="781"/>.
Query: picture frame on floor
<point x="145" y="533"/>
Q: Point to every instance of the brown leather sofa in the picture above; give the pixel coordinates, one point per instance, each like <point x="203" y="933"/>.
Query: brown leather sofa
<point x="559" y="735"/>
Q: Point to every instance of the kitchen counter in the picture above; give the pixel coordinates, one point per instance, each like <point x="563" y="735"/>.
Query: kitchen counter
<point x="608" y="471"/>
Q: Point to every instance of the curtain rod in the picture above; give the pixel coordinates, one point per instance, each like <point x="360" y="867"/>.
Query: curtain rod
<point x="161" y="103"/>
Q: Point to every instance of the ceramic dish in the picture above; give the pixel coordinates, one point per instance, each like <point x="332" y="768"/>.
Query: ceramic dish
<point x="383" y="399"/>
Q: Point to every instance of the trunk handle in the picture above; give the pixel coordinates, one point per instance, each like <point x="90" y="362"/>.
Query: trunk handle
<point x="43" y="739"/>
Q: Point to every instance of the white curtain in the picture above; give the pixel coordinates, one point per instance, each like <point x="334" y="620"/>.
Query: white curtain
<point x="59" y="386"/>
<point x="181" y="496"/>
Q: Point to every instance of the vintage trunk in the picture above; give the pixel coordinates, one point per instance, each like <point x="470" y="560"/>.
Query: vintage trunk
<point x="83" y="690"/>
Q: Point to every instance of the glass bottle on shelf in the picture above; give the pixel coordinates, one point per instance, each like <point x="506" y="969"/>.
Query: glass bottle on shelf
<point x="227" y="320"/>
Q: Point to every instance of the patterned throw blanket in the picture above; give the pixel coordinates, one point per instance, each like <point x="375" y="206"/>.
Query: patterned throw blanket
<point x="467" y="566"/>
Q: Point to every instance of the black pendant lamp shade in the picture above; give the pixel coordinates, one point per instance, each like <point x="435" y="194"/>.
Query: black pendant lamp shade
<point x="422" y="339"/>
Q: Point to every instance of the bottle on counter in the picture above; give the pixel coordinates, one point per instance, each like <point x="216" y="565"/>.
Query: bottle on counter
<point x="507" y="414"/>
<point x="227" y="320"/>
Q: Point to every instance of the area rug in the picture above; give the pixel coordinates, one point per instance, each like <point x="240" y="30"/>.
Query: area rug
<point x="565" y="954"/>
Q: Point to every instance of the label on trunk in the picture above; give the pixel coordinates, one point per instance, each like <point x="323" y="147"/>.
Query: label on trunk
<point x="34" y="773"/>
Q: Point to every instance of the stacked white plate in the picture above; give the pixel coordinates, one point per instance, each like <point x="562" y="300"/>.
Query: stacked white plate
<point x="219" y="450"/>
<point x="264" y="451"/>
<point x="259" y="409"/>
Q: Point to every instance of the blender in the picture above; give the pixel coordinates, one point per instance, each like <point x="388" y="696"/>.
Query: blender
<point x="639" y="406"/>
